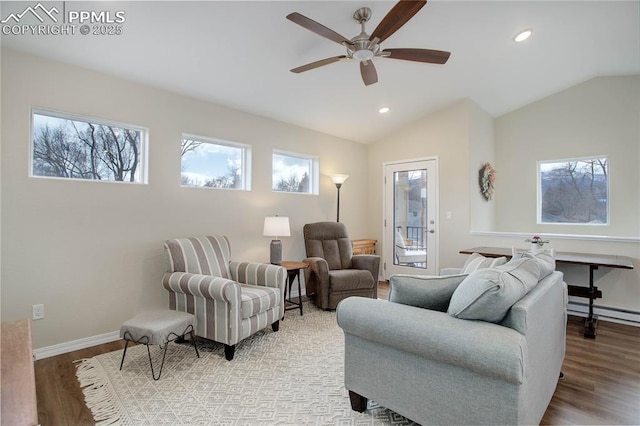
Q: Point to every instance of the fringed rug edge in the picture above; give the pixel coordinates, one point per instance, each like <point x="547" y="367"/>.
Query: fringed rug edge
<point x="99" y="395"/>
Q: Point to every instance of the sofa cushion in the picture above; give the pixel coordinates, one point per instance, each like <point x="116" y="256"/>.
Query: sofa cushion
<point x="546" y="260"/>
<point x="487" y="294"/>
<point x="477" y="261"/>
<point x="350" y="279"/>
<point x="423" y="291"/>
<point x="256" y="299"/>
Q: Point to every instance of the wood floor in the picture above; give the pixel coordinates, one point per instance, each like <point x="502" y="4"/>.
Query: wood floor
<point x="601" y="384"/>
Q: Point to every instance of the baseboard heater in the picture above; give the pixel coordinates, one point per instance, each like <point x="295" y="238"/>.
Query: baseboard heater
<point x="604" y="313"/>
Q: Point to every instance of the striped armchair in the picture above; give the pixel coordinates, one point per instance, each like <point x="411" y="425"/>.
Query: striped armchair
<point x="231" y="300"/>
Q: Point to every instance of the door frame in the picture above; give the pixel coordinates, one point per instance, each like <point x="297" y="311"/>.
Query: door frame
<point x="384" y="212"/>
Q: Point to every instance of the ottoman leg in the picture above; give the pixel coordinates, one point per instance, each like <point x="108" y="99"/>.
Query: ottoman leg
<point x="166" y="345"/>
<point x="193" y="340"/>
<point x="124" y="353"/>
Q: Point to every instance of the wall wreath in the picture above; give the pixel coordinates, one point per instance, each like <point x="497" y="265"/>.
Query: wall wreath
<point x="486" y="179"/>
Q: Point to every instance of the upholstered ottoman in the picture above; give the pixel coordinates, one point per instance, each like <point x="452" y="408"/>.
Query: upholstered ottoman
<point x="158" y="328"/>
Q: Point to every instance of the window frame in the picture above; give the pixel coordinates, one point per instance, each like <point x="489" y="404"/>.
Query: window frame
<point x="568" y="160"/>
<point x="143" y="162"/>
<point x="245" y="174"/>
<point x="314" y="171"/>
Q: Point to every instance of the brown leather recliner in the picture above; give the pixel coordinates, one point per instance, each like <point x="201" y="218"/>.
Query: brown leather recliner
<point x="334" y="273"/>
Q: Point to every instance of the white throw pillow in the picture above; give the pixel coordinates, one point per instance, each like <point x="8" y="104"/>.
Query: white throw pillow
<point x="477" y="261"/>
<point x="487" y="294"/>
<point x="546" y="260"/>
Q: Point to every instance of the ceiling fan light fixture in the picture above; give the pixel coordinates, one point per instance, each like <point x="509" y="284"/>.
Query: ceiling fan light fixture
<point x="523" y="35"/>
<point x="363" y="55"/>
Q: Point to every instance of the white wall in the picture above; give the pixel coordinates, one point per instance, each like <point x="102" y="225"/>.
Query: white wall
<point x="598" y="117"/>
<point x="481" y="151"/>
<point x="91" y="252"/>
<point x="445" y="135"/>
<point x="461" y="137"/>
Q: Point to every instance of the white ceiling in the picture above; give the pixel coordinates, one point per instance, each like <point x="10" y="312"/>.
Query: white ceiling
<point x="239" y="53"/>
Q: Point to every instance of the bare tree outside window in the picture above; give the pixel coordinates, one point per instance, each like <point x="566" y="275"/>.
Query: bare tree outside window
<point x="292" y="173"/>
<point x="574" y="191"/>
<point x="74" y="148"/>
<point x="207" y="164"/>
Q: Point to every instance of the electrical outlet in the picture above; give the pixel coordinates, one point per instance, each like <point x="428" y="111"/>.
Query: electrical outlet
<point x="38" y="312"/>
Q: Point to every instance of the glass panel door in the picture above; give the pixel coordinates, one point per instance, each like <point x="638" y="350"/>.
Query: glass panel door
<point x="410" y="218"/>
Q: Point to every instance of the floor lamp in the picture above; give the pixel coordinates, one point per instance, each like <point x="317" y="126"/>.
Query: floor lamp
<point x="276" y="226"/>
<point x="338" y="180"/>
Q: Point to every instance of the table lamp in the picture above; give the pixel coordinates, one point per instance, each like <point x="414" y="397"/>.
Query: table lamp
<point x="276" y="226"/>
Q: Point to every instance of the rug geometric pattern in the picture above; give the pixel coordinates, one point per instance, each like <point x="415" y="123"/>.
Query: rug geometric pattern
<point x="292" y="377"/>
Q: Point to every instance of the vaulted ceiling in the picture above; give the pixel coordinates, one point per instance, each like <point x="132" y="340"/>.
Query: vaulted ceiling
<point x="239" y="53"/>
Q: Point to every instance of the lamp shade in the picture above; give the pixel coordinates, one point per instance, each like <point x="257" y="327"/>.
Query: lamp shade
<point x="276" y="226"/>
<point x="339" y="179"/>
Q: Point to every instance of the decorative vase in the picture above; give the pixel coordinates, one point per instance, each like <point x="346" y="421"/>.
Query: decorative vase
<point x="536" y="247"/>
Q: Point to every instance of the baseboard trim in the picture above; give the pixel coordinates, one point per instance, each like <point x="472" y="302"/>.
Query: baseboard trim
<point x="604" y="313"/>
<point x="621" y="316"/>
<point x="74" y="345"/>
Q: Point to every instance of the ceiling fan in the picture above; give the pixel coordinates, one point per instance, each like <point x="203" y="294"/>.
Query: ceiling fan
<point x="365" y="47"/>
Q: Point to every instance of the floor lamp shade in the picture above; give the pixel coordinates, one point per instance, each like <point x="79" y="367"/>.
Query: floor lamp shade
<point x="276" y="226"/>
<point x="338" y="180"/>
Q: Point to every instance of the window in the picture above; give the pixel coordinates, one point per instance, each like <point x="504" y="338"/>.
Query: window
<point x="294" y="173"/>
<point x="574" y="191"/>
<point x="210" y="163"/>
<point x="73" y="147"/>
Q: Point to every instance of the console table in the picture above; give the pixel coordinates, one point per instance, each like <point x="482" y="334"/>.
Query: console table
<point x="593" y="261"/>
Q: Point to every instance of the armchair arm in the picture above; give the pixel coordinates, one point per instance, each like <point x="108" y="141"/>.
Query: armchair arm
<point x="316" y="278"/>
<point x="486" y="348"/>
<point x="263" y="274"/>
<point x="207" y="286"/>
<point x="369" y="262"/>
<point x="423" y="291"/>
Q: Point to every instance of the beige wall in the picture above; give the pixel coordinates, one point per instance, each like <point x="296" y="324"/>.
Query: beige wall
<point x="462" y="137"/>
<point x="91" y="252"/>
<point x="445" y="135"/>
<point x="598" y="117"/>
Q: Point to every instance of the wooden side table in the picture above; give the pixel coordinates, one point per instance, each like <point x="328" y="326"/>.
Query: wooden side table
<point x="365" y="246"/>
<point x="293" y="272"/>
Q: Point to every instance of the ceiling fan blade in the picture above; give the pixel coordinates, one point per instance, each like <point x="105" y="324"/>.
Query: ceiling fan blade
<point x="396" y="18"/>
<point x="319" y="63"/>
<point x="317" y="28"/>
<point x="419" y="55"/>
<point x="369" y="73"/>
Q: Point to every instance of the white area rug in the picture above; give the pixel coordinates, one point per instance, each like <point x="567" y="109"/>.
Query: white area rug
<point x="292" y="377"/>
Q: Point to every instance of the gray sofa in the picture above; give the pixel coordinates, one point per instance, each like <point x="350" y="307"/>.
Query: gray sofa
<point x="434" y="368"/>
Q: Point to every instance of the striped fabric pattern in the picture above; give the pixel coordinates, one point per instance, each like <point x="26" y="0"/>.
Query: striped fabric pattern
<point x="477" y="261"/>
<point x="261" y="274"/>
<point x="215" y="301"/>
<point x="200" y="255"/>
<point x="231" y="300"/>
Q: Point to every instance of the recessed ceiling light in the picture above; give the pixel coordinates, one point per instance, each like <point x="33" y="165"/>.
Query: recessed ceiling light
<point x="523" y="35"/>
<point x="383" y="110"/>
